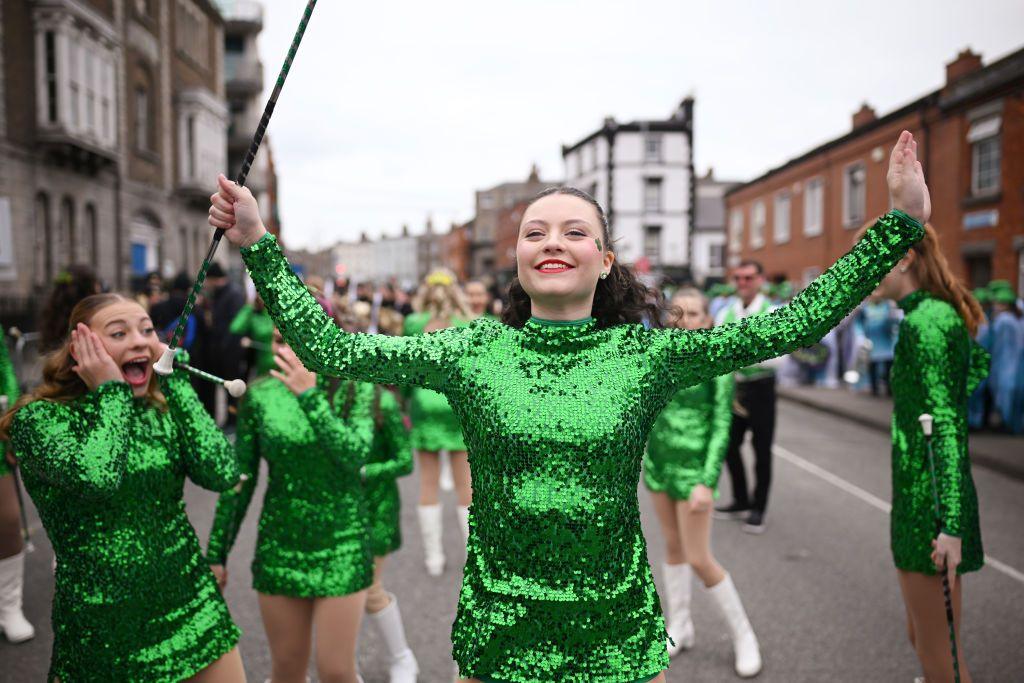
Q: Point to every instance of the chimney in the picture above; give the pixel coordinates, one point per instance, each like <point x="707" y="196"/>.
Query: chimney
<point x="430" y="224"/>
<point x="534" y="176"/>
<point x="710" y="175"/>
<point x="405" y="229"/>
<point x="863" y="116"/>
<point x="967" y="62"/>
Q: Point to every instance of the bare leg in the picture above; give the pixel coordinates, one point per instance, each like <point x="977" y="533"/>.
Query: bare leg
<point x="227" y="669"/>
<point x="664" y="507"/>
<point x="10" y="518"/>
<point x="376" y="597"/>
<point x="430" y="472"/>
<point x="695" y="529"/>
<point x="289" y="625"/>
<point x="927" y="607"/>
<point x="336" y="621"/>
<point x="463" y="479"/>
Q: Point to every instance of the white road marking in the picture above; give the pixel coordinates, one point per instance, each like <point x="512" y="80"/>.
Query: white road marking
<point x="873" y="500"/>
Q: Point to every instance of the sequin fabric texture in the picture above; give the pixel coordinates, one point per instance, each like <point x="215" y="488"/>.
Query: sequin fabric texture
<point x="134" y="598"/>
<point x="935" y="368"/>
<point x="434" y="424"/>
<point x="312" y="537"/>
<point x="688" y="442"/>
<point x="390" y="458"/>
<point x="8" y="388"/>
<point x="557" y="585"/>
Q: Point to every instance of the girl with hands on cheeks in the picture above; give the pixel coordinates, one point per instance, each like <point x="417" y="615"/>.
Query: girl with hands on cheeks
<point x="683" y="461"/>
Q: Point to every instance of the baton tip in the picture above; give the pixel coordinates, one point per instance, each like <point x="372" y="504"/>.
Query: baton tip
<point x="926" y="423"/>
<point x="165" y="365"/>
<point x="235" y="387"/>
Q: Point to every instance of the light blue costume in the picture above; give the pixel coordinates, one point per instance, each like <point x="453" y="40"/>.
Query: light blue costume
<point x="1007" y="350"/>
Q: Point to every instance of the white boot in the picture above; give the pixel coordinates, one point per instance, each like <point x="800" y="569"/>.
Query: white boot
<point x="679" y="589"/>
<point x="430" y="527"/>
<point x="463" y="512"/>
<point x="744" y="642"/>
<point x="402" y="661"/>
<point x="12" y="622"/>
<point x="446" y="480"/>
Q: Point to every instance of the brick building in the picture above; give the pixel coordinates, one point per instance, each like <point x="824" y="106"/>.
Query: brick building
<point x="112" y="125"/>
<point x="489" y="205"/>
<point x="456" y="249"/>
<point x="798" y="218"/>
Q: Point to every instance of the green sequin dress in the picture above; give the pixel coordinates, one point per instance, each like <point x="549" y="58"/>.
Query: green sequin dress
<point x="688" y="442"/>
<point x="557" y="585"/>
<point x="434" y="424"/>
<point x="312" y="538"/>
<point x="935" y="368"/>
<point x="134" y="599"/>
<point x="8" y="388"/>
<point x="390" y="458"/>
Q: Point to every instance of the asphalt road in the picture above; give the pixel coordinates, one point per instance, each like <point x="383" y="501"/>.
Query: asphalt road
<point x="819" y="585"/>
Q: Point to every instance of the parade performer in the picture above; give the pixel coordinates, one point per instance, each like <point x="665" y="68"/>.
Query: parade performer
<point x="935" y="368"/>
<point x="253" y="322"/>
<point x="312" y="564"/>
<point x="15" y="627"/>
<point x="478" y="298"/>
<point x="1007" y="357"/>
<point x="439" y="304"/>
<point x="104" y="449"/>
<point x="684" y="457"/>
<point x="557" y="400"/>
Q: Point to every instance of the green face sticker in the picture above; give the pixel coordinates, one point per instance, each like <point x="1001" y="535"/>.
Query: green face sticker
<point x="598" y="243"/>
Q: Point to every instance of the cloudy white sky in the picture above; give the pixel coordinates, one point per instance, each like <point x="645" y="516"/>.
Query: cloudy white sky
<point x="397" y="110"/>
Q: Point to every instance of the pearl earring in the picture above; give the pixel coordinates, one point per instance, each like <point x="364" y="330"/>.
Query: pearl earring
<point x="903" y="270"/>
<point x="604" y="275"/>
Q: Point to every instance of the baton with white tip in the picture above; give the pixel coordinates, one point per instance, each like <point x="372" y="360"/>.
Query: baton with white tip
<point x="235" y="387"/>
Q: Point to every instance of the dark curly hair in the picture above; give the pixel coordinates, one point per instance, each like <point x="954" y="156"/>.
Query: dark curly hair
<point x="620" y="298"/>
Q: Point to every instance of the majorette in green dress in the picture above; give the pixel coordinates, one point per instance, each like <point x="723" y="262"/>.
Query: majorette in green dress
<point x="935" y="368"/>
<point x="557" y="585"/>
<point x="312" y="539"/>
<point x="434" y="424"/>
<point x="134" y="598"/>
<point x="8" y="388"/>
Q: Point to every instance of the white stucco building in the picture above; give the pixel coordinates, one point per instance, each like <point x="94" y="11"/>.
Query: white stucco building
<point x="642" y="174"/>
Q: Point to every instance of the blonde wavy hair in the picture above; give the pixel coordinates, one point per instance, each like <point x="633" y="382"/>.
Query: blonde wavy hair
<point x="441" y="296"/>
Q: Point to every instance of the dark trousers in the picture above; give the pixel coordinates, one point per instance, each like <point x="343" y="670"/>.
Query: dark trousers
<point x="757" y="400"/>
<point x="878" y="372"/>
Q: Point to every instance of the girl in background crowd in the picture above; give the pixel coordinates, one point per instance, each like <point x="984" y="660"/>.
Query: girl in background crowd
<point x="104" y="448"/>
<point x="1007" y="357"/>
<point x="685" y="451"/>
<point x="935" y="367"/>
<point x="312" y="565"/>
<point x="439" y="304"/>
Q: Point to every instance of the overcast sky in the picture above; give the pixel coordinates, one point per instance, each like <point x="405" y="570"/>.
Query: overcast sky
<point x="397" y="110"/>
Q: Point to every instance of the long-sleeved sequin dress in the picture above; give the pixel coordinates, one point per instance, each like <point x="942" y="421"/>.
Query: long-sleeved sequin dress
<point x="134" y="598"/>
<point x="8" y="388"/>
<point x="935" y="368"/>
<point x="557" y="585"/>
<point x="435" y="426"/>
<point x="688" y="441"/>
<point x="312" y="537"/>
<point x="390" y="458"/>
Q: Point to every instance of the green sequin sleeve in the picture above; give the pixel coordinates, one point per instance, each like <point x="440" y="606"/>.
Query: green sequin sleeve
<point x="234" y="503"/>
<point x="721" y="422"/>
<point x="8" y="380"/>
<point x="423" y="360"/>
<point x="80" y="451"/>
<point x="696" y="356"/>
<point x="207" y="454"/>
<point x="346" y="444"/>
<point x="393" y="437"/>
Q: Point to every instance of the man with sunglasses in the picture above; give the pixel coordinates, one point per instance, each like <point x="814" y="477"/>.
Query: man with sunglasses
<point x="753" y="407"/>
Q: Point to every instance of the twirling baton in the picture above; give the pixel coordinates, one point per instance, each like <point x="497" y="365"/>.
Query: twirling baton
<point x="926" y="426"/>
<point x="248" y="343"/>
<point x="26" y="535"/>
<point x="235" y="387"/>
<point x="165" y="365"/>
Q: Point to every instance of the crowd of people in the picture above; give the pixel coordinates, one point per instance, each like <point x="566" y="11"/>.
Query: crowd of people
<point x="548" y="407"/>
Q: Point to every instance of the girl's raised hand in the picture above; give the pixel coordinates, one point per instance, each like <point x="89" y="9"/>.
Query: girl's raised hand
<point x="92" y="362"/>
<point x="292" y="373"/>
<point x="907" y="189"/>
<point x="234" y="210"/>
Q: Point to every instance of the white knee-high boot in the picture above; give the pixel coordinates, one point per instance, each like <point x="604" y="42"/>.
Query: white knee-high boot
<point x="12" y="621"/>
<point x="463" y="512"/>
<point x="744" y="642"/>
<point x="430" y="527"/>
<point x="679" y="587"/>
<point x="402" y="662"/>
<point x="445" y="479"/>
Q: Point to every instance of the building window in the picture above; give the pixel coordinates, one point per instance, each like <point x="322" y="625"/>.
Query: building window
<point x="757" y="220"/>
<point x="652" y="243"/>
<point x="652" y="148"/>
<point x="191" y="33"/>
<point x="143" y="120"/>
<point x="50" y="42"/>
<point x="190" y="146"/>
<point x="66" y="253"/>
<point x="814" y="206"/>
<point x="985" y="155"/>
<point x="90" y="236"/>
<point x="810" y="274"/>
<point x="593" y="156"/>
<point x="979" y="269"/>
<point x="716" y="256"/>
<point x="736" y="230"/>
<point x="593" y="191"/>
<point x="652" y="194"/>
<point x="854" y="194"/>
<point x="44" y="246"/>
<point x="780" y="230"/>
